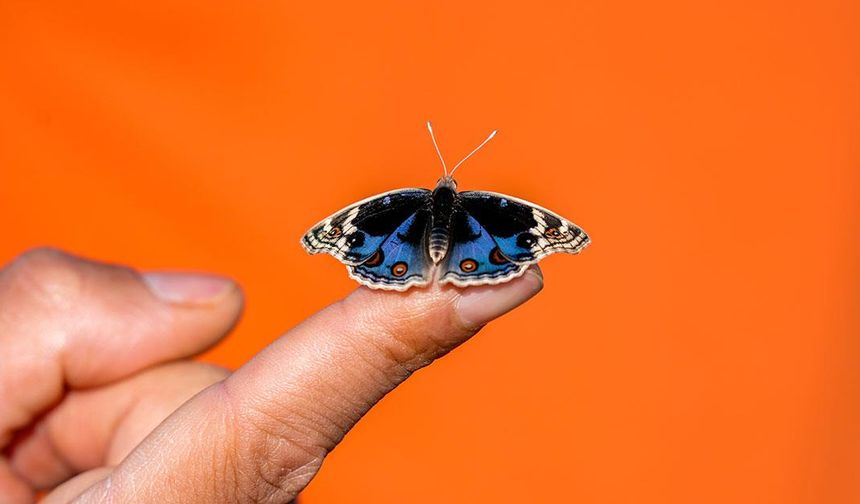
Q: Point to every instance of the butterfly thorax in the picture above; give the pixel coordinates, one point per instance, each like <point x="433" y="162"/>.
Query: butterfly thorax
<point x="444" y="199"/>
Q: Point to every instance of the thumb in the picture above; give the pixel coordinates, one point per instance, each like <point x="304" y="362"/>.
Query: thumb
<point x="262" y="434"/>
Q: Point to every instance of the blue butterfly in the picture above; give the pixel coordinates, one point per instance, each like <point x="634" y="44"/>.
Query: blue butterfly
<point x="408" y="237"/>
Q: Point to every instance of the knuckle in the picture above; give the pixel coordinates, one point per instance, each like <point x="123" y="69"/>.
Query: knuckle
<point x="46" y="274"/>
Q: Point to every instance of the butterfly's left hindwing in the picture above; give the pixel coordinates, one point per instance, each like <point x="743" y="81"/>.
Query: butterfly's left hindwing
<point x="356" y="232"/>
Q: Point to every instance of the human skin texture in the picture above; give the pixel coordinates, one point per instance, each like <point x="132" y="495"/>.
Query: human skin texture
<point x="101" y="402"/>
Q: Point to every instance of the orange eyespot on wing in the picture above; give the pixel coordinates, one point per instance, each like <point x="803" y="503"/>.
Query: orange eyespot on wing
<point x="376" y="259"/>
<point x="468" y="265"/>
<point x="496" y="257"/>
<point x="399" y="269"/>
<point x="553" y="233"/>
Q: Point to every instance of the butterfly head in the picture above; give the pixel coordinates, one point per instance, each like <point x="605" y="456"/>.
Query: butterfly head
<point x="448" y="182"/>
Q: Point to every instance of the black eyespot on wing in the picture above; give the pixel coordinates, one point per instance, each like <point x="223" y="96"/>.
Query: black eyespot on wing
<point x="356" y="239"/>
<point x="525" y="240"/>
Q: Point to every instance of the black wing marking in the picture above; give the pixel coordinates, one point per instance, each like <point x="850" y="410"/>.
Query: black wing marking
<point x="355" y="233"/>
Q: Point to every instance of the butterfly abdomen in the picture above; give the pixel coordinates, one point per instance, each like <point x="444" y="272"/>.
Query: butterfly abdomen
<point x="438" y="244"/>
<point x="439" y="237"/>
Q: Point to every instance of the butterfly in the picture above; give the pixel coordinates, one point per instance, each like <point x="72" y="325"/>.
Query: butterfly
<point x="409" y="237"/>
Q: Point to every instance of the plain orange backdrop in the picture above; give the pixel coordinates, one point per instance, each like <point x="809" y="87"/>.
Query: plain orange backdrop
<point x="704" y="348"/>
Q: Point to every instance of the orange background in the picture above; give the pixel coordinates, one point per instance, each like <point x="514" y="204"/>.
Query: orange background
<point x="704" y="349"/>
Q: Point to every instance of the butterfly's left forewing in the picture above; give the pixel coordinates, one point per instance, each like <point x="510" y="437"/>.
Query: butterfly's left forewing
<point x="523" y="231"/>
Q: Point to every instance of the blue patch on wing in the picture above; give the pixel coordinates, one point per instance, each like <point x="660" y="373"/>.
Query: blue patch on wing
<point x="475" y="257"/>
<point x="517" y="247"/>
<point x="400" y="261"/>
<point x="361" y="245"/>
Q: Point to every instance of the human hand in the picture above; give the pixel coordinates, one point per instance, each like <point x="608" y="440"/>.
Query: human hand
<point x="100" y="402"/>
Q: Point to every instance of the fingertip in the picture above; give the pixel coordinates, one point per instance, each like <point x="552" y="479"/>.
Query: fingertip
<point x="204" y="306"/>
<point x="472" y="307"/>
<point x="189" y="288"/>
<point x="479" y="305"/>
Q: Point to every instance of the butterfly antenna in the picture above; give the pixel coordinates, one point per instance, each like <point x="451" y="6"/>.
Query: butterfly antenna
<point x="474" y="151"/>
<point x="436" y="145"/>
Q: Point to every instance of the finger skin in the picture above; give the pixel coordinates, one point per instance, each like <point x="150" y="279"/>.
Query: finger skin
<point x="69" y="490"/>
<point x="69" y="323"/>
<point x="262" y="434"/>
<point x="100" y="426"/>
<point x="13" y="490"/>
<point x="65" y="321"/>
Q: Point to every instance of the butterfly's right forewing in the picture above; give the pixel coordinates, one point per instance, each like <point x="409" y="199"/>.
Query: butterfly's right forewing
<point x="355" y="233"/>
<point x="380" y="239"/>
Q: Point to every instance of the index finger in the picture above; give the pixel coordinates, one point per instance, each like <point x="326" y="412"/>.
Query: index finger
<point x="262" y="434"/>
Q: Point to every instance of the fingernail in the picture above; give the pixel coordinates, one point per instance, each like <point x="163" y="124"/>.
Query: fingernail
<point x="479" y="305"/>
<point x="187" y="288"/>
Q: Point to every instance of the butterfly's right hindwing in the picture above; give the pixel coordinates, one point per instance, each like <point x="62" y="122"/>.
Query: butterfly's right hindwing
<point x="353" y="235"/>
